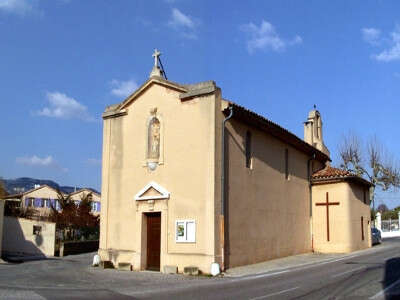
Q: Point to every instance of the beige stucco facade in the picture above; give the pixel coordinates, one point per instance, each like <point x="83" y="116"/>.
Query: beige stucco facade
<point x="20" y="237"/>
<point x="188" y="170"/>
<point x="162" y="149"/>
<point x="268" y="215"/>
<point x="349" y="220"/>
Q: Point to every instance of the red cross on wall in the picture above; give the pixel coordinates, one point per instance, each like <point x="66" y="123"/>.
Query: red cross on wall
<point x="327" y="203"/>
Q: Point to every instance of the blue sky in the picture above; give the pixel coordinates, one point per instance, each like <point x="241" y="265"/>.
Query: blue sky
<point x="63" y="61"/>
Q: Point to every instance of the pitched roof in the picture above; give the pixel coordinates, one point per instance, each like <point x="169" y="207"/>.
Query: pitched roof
<point x="247" y="116"/>
<point x="84" y="190"/>
<point x="19" y="195"/>
<point x="187" y="91"/>
<point x="331" y="174"/>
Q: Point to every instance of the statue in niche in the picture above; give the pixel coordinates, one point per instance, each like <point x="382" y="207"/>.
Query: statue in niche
<point x="153" y="150"/>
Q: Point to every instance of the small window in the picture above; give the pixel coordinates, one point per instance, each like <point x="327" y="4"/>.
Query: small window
<point x="185" y="231"/>
<point x="94" y="206"/>
<point x="37" y="229"/>
<point x="248" y="150"/>
<point x="362" y="228"/>
<point x="318" y="126"/>
<point x="286" y="164"/>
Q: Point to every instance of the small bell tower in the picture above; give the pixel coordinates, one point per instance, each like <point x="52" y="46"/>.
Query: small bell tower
<point x="313" y="131"/>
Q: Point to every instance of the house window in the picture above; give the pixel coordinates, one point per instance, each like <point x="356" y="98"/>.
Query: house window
<point x="286" y="164"/>
<point x="362" y="228"/>
<point x="248" y="150"/>
<point x="46" y="202"/>
<point x="185" y="231"/>
<point x="58" y="206"/>
<point x="94" y="206"/>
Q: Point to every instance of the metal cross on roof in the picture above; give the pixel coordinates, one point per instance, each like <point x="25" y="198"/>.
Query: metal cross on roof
<point x="156" y="54"/>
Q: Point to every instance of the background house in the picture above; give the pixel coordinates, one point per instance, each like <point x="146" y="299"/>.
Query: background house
<point x="94" y="197"/>
<point x="43" y="197"/>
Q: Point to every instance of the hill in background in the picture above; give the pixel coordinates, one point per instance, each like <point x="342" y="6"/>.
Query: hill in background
<point x="24" y="184"/>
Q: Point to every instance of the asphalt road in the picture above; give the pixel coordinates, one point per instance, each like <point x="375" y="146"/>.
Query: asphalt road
<point x="374" y="275"/>
<point x="371" y="274"/>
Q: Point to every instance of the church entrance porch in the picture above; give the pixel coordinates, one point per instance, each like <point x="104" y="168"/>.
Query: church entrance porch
<point x="153" y="241"/>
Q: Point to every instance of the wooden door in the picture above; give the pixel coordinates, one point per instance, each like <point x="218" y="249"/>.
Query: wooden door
<point x="153" y="241"/>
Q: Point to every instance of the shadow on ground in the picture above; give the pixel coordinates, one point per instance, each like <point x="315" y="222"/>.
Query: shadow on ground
<point x="391" y="280"/>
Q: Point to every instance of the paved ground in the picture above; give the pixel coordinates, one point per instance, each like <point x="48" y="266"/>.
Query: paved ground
<point x="371" y="273"/>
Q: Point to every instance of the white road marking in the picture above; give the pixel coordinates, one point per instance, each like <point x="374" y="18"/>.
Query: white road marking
<point x="350" y="271"/>
<point x="306" y="266"/>
<point x="311" y="265"/>
<point x="382" y="293"/>
<point x="274" y="294"/>
<point x="18" y="295"/>
<point x="263" y="275"/>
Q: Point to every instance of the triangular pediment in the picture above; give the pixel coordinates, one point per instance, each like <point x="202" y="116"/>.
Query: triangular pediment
<point x="153" y="80"/>
<point x="151" y="191"/>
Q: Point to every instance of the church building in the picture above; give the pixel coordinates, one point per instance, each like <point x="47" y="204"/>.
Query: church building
<point x="191" y="179"/>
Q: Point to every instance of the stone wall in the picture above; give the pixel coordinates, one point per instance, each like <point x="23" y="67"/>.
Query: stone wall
<point x="76" y="247"/>
<point x="28" y="237"/>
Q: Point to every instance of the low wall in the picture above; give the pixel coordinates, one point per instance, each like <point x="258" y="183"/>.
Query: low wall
<point x="28" y="237"/>
<point x="76" y="247"/>
<point x="389" y="234"/>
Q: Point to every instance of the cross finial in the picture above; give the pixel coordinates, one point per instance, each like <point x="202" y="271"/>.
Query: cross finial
<point x="156" y="54"/>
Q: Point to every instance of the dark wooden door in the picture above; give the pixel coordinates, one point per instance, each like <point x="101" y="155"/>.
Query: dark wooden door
<point x="153" y="241"/>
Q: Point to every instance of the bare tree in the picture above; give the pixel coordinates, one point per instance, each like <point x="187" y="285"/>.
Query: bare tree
<point x="375" y="164"/>
<point x="72" y="218"/>
<point x="382" y="208"/>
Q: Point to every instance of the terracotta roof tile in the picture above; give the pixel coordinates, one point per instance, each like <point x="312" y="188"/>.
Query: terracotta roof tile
<point x="330" y="172"/>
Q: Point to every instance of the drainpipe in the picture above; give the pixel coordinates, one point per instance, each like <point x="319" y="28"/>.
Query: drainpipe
<point x="309" y="173"/>
<point x="222" y="218"/>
